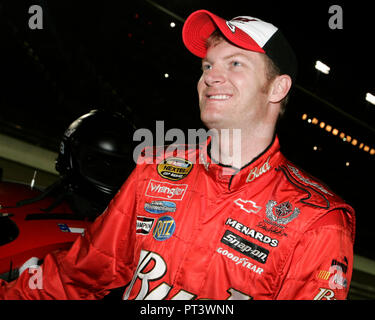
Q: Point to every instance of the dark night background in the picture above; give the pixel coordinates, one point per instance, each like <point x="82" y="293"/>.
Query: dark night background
<point x="114" y="54"/>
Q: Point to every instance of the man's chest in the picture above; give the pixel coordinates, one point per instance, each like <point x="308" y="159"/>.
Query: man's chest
<point x="200" y="243"/>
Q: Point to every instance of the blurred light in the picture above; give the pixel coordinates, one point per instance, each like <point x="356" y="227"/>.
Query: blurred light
<point x="166" y="75"/>
<point x="370" y="98"/>
<point x="336" y="132"/>
<point x="347" y="163"/>
<point x="322" y="67"/>
<point x="172" y="24"/>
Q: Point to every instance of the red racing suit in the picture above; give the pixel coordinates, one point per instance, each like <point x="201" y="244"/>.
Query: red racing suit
<point x="187" y="229"/>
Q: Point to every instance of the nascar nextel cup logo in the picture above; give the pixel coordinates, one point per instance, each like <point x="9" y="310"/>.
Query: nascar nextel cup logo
<point x="165" y="190"/>
<point x="174" y="168"/>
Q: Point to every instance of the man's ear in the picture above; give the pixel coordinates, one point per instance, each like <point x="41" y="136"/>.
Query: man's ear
<point x="279" y="88"/>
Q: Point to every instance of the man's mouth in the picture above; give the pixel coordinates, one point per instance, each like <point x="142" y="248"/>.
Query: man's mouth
<point x="219" y="97"/>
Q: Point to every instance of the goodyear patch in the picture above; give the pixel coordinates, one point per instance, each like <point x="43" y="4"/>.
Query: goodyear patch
<point x="164" y="228"/>
<point x="160" y="207"/>
<point x="174" y="168"/>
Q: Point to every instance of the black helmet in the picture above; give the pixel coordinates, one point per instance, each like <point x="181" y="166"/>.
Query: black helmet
<point x="96" y="155"/>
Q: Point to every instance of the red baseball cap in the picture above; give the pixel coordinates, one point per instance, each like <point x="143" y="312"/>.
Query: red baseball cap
<point x="245" y="32"/>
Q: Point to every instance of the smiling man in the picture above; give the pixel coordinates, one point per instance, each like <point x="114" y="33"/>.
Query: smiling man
<point x="234" y="93"/>
<point x="264" y="229"/>
<point x="241" y="87"/>
<point x="248" y="68"/>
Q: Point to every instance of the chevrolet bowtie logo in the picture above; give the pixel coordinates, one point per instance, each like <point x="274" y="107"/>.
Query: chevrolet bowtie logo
<point x="247" y="205"/>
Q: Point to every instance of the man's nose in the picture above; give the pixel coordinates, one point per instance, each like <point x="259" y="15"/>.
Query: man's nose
<point x="214" y="76"/>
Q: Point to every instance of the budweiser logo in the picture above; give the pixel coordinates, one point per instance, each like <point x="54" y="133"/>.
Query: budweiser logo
<point x="165" y="190"/>
<point x="256" y="172"/>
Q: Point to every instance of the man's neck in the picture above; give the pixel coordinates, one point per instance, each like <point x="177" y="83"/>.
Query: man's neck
<point x="236" y="148"/>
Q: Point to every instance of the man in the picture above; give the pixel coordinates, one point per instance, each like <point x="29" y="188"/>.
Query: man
<point x="204" y="229"/>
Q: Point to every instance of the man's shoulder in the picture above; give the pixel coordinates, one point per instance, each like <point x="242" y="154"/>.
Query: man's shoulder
<point x="321" y="205"/>
<point x="312" y="190"/>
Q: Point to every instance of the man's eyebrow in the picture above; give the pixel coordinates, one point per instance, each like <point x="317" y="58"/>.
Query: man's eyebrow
<point x="228" y="57"/>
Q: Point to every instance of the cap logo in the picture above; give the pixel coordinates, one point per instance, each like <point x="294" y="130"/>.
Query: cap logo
<point x="243" y="19"/>
<point x="231" y="27"/>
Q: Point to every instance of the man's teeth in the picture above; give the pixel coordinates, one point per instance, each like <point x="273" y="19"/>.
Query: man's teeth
<point x="219" y="97"/>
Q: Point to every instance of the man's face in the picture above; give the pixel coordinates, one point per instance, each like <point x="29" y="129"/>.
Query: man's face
<point x="233" y="87"/>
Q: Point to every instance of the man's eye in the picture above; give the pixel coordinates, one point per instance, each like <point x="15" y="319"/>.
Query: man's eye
<point x="236" y="63"/>
<point x="206" y="67"/>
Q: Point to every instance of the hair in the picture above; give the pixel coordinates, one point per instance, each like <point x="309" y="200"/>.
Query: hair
<point x="272" y="70"/>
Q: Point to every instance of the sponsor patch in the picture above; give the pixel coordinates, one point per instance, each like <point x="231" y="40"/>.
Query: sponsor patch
<point x="323" y="275"/>
<point x="160" y="207"/>
<point x="257" y="172"/>
<point x="251" y="232"/>
<point x="144" y="225"/>
<point x="343" y="265"/>
<point x="280" y="215"/>
<point x="325" y="294"/>
<point x="308" y="181"/>
<point x="164" y="228"/>
<point x="165" y="190"/>
<point x="243" y="262"/>
<point x="338" y="270"/>
<point x="174" y="168"/>
<point x="314" y="193"/>
<point x="247" y="205"/>
<point x="245" y="247"/>
<point x="336" y="274"/>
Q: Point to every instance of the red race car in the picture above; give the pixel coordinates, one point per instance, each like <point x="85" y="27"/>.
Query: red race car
<point x="27" y="231"/>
